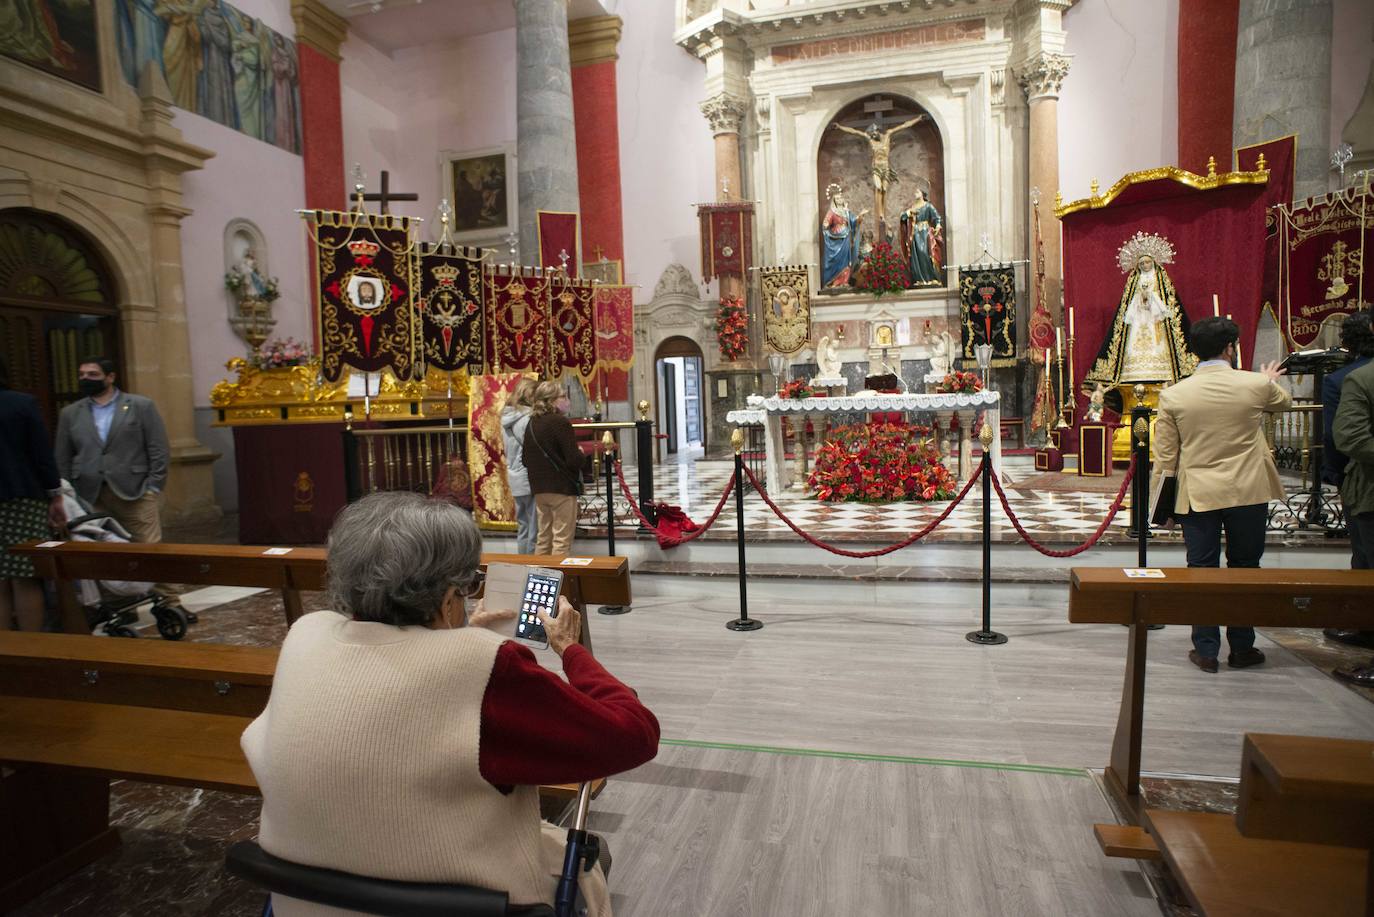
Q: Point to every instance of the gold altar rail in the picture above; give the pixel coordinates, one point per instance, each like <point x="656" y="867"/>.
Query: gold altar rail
<point x="1290" y="437"/>
<point x="400" y="458"/>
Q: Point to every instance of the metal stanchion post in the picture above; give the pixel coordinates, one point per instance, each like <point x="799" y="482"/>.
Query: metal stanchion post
<point x="986" y="636"/>
<point x="1140" y="486"/>
<point x="644" y="449"/>
<point x="743" y="622"/>
<point x="608" y="450"/>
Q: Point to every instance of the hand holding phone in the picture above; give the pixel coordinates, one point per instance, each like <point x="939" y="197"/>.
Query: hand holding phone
<point x="543" y="589"/>
<point x="563" y="628"/>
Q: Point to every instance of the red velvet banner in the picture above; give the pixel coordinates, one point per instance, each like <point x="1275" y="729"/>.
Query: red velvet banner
<point x="615" y="339"/>
<point x="449" y="297"/>
<point x="1217" y="233"/>
<point x="492" y="504"/>
<point x="557" y="238"/>
<point x="573" y="330"/>
<point x="1319" y="252"/>
<point x="517" y="319"/>
<point x="727" y="231"/>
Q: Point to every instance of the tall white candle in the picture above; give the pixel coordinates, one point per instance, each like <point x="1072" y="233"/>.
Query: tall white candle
<point x="1216" y="306"/>
<point x="1070" y="322"/>
<point x="1059" y="339"/>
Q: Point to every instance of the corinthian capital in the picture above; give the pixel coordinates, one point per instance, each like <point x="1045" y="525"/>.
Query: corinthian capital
<point x="1042" y="76"/>
<point x="724" y="112"/>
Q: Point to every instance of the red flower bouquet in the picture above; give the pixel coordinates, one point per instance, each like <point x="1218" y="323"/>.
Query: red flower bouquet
<point x="732" y="328"/>
<point x="798" y="388"/>
<point x="881" y="271"/>
<point x="880" y="463"/>
<point x="958" y="382"/>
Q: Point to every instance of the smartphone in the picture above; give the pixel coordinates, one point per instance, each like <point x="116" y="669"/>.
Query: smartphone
<point x="543" y="586"/>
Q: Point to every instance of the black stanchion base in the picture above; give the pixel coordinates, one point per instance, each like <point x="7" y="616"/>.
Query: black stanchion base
<point x="1154" y="627"/>
<point x="985" y="637"/>
<point x="613" y="610"/>
<point x="744" y="624"/>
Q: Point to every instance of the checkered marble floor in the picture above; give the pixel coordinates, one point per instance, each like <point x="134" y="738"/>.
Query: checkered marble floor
<point x="1053" y="518"/>
<point x="1056" y="518"/>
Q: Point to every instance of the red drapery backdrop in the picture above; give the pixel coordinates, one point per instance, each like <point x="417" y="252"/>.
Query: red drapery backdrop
<point x="557" y="237"/>
<point x="1206" y="80"/>
<point x="1218" y="235"/>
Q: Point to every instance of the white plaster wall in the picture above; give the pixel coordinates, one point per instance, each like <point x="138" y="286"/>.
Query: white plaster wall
<point x="667" y="155"/>
<point x="1118" y="110"/>
<point x="255" y="181"/>
<point x="372" y="102"/>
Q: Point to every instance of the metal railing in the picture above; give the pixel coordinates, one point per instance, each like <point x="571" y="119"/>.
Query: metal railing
<point x="1290" y="435"/>
<point x="400" y="458"/>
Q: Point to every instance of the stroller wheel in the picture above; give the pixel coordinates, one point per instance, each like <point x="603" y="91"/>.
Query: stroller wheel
<point x="171" y="622"/>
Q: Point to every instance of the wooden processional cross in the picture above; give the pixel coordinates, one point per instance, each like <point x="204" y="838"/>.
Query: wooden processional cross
<point x="386" y="195"/>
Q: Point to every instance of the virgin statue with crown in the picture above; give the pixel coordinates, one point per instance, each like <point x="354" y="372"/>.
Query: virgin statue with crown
<point x="1148" y="338"/>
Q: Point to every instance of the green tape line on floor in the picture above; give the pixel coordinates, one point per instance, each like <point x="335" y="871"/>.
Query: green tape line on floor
<point x="889" y="759"/>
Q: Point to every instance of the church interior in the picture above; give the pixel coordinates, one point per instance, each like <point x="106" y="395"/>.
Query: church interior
<point x="907" y="360"/>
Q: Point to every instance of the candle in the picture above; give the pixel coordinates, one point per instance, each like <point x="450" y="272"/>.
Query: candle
<point x="1059" y="339"/>
<point x="1071" y="323"/>
<point x="1216" y="306"/>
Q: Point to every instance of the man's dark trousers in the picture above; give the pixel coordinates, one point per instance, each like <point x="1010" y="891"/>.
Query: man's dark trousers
<point x="1244" y="527"/>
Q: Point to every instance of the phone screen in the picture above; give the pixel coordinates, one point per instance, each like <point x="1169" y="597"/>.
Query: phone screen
<point x="540" y="598"/>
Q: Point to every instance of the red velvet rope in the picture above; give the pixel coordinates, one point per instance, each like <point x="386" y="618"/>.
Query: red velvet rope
<point x="691" y="536"/>
<point x="1092" y="539"/>
<point x="904" y="543"/>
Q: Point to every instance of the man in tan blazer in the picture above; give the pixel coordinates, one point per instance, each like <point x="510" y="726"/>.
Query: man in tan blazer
<point x="1210" y="438"/>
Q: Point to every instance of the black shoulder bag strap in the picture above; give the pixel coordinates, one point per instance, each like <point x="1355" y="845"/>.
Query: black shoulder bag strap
<point x="559" y="466"/>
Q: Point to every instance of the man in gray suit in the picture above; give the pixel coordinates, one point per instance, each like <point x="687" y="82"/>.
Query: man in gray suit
<point x="112" y="447"/>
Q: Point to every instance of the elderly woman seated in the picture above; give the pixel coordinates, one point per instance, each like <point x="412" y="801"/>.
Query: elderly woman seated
<point x="405" y="740"/>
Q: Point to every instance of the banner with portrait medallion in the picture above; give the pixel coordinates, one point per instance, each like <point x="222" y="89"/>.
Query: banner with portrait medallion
<point x="516" y="318"/>
<point x="987" y="313"/>
<point x="573" y="327"/>
<point x="786" y="298"/>
<point x="493" y="507"/>
<point x="449" y="299"/>
<point x="364" y="264"/>
<point x="727" y="230"/>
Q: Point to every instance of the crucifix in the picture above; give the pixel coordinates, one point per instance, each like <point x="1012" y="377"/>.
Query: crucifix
<point x="563" y="257"/>
<point x="386" y="195"/>
<point x="600" y="253"/>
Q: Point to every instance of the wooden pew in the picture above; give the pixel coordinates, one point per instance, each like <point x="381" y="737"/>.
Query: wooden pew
<point x="598" y="581"/>
<point x="76" y="712"/>
<point x="1199" y="595"/>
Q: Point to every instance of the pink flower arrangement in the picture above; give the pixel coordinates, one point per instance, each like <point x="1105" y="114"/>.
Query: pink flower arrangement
<point x="280" y="354"/>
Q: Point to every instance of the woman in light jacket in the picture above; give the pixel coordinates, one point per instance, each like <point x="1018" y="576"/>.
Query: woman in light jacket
<point x="404" y="740"/>
<point x="515" y="417"/>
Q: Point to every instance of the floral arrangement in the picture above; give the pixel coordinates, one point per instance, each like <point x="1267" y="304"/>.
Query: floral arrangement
<point x="881" y="271"/>
<point x="880" y="463"/>
<point x="799" y="388"/>
<point x="237" y="283"/>
<point x="961" y="383"/>
<point x="281" y="354"/>
<point x="732" y="328"/>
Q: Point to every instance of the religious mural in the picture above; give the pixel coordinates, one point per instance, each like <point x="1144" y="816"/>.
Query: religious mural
<point x="219" y="62"/>
<point x="880" y="177"/>
<point x="56" y="36"/>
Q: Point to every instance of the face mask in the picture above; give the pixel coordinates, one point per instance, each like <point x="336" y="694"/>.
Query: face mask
<point x="89" y="388"/>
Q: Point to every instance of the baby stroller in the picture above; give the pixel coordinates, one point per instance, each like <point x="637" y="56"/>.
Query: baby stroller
<point x="115" y="603"/>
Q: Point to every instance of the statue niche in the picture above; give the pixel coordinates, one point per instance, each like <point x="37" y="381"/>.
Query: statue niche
<point x="882" y="158"/>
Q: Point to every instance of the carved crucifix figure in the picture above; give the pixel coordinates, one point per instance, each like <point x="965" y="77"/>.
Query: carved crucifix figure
<point x="880" y="153"/>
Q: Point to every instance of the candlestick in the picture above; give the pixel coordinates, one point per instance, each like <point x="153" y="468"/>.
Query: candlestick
<point x="1059" y="333"/>
<point x="1071" y="393"/>
<point x="1216" y="306"/>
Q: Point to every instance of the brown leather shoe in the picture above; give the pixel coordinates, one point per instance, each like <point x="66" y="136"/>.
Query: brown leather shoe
<point x="1245" y="659"/>
<point x="1206" y="663"/>
<point x="1360" y="638"/>
<point x="1362" y="675"/>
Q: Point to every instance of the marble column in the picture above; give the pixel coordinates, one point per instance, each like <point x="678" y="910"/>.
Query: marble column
<point x="1283" y="83"/>
<point x="725" y="114"/>
<point x="546" y="138"/>
<point x="164" y="355"/>
<point x="1041" y="78"/>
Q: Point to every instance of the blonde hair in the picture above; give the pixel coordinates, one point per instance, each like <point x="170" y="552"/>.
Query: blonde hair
<point x="546" y="395"/>
<point x="523" y="393"/>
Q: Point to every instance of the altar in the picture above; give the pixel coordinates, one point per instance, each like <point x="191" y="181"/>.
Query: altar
<point x="769" y="412"/>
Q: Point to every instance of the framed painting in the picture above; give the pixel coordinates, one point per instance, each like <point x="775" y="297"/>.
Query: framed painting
<point x="56" y="36"/>
<point x="604" y="271"/>
<point x="481" y="186"/>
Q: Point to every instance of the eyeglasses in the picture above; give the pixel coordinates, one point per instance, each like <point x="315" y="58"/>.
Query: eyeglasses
<point x="479" y="580"/>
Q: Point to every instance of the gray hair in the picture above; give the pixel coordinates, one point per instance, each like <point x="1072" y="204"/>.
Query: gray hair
<point x="392" y="556"/>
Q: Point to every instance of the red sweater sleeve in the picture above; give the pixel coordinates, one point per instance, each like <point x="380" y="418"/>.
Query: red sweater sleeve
<point x="538" y="729"/>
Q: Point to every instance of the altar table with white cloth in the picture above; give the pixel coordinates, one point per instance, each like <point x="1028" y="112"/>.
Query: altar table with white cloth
<point x="769" y="412"/>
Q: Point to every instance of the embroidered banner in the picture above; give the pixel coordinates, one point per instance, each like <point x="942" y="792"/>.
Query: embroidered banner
<point x="364" y="286"/>
<point x="558" y="240"/>
<point x="615" y="340"/>
<point x="449" y="298"/>
<point x="786" y="293"/>
<point x="573" y="329"/>
<point x="492" y="504"/>
<point x="1318" y="255"/>
<point x="987" y="313"/>
<point x="516" y="323"/>
<point x="727" y="231"/>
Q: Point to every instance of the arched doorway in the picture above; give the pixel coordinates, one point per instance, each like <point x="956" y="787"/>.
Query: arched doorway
<point x="57" y="306"/>
<point x="681" y="416"/>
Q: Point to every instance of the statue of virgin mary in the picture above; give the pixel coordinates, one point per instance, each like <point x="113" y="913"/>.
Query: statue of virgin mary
<point x="1148" y="338"/>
